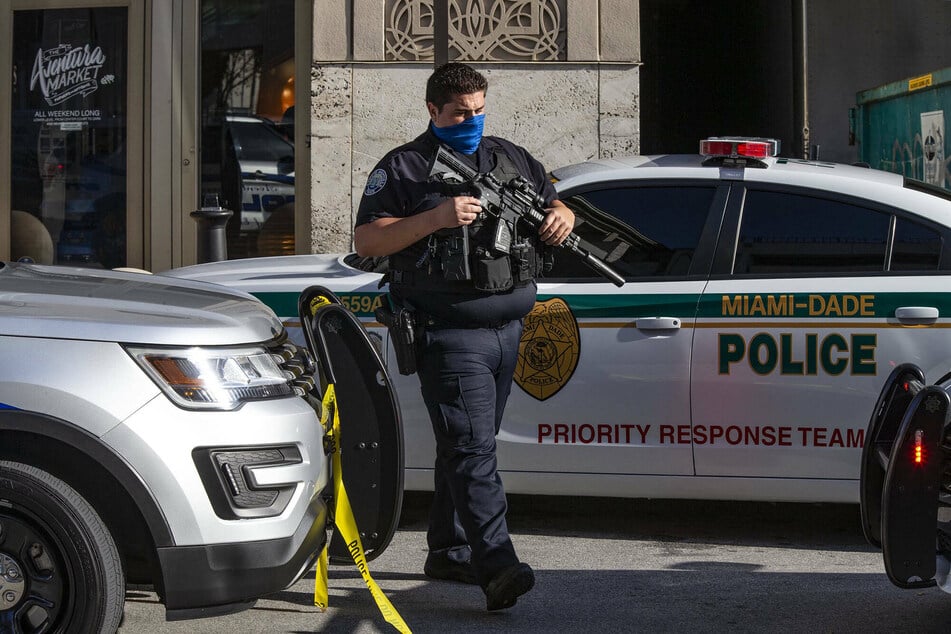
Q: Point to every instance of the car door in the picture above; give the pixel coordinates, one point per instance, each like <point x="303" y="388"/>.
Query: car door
<point x="371" y="432"/>
<point x="602" y="379"/>
<point x="797" y="332"/>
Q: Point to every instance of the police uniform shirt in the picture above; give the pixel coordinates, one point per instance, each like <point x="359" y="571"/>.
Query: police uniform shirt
<point x="399" y="186"/>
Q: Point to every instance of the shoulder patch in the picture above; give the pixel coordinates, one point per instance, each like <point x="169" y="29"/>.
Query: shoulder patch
<point x="376" y="182"/>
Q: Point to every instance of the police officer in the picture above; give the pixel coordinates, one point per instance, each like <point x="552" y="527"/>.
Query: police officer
<point x="471" y="302"/>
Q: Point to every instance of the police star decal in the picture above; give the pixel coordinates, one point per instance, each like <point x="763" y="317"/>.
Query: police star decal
<point x="549" y="350"/>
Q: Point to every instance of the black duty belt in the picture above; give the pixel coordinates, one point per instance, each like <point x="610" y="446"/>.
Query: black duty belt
<point x="426" y="281"/>
<point x="434" y="323"/>
<point x="422" y="280"/>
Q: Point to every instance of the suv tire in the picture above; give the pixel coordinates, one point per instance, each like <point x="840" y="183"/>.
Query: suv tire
<point x="59" y="567"/>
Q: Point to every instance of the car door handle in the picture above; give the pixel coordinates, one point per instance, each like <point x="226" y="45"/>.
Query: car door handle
<point x="917" y="314"/>
<point x="657" y="323"/>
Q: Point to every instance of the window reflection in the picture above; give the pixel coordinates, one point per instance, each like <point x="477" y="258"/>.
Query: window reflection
<point x="642" y="232"/>
<point x="247" y="135"/>
<point x="69" y="136"/>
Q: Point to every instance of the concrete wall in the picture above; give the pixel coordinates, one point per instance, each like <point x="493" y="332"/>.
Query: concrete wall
<point x="588" y="105"/>
<point x="857" y="46"/>
<point x="583" y="107"/>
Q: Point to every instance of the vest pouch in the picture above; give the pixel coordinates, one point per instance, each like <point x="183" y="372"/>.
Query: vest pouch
<point x="492" y="274"/>
<point x="453" y="254"/>
<point x="524" y="264"/>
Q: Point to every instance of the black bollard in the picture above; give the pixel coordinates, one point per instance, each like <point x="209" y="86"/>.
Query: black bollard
<point x="212" y="219"/>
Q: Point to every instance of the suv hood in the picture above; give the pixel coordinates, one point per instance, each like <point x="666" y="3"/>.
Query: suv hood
<point x="288" y="274"/>
<point x="99" y="305"/>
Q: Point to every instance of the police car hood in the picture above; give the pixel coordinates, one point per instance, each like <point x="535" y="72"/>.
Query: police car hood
<point x="291" y="273"/>
<point x="127" y="307"/>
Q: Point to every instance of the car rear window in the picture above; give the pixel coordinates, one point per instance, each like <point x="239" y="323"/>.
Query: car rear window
<point x="784" y="233"/>
<point x="787" y="234"/>
<point x="916" y="247"/>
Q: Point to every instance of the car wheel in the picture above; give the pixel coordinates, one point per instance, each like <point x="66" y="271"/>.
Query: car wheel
<point x="59" y="567"/>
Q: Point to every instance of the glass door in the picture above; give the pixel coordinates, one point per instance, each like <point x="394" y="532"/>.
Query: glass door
<point x="72" y="134"/>
<point x="247" y="101"/>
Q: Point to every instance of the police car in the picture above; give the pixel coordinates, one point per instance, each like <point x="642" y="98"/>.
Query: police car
<point x="766" y="300"/>
<point x="261" y="163"/>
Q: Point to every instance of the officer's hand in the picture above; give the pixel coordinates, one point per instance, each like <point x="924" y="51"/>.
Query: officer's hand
<point x="458" y="211"/>
<point x="558" y="223"/>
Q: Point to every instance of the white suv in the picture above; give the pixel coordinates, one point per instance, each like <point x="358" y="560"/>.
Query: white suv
<point x="165" y="432"/>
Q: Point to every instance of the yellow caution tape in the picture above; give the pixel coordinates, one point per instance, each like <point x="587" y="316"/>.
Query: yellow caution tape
<point x="316" y="302"/>
<point x="344" y="522"/>
<point x="321" y="595"/>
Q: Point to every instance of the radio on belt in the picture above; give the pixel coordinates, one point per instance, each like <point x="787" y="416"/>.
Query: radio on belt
<point x="747" y="151"/>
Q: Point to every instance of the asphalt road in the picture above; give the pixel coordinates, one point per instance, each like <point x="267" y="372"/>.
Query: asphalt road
<point x="619" y="566"/>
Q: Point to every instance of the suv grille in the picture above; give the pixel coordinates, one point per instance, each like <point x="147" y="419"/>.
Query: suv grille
<point x="298" y="365"/>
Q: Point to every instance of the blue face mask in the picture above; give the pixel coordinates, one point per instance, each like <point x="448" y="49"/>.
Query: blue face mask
<point x="464" y="136"/>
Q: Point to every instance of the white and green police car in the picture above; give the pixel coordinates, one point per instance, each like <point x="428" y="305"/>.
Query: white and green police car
<point x="766" y="301"/>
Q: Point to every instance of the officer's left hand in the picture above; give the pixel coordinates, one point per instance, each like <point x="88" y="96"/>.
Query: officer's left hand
<point x="558" y="223"/>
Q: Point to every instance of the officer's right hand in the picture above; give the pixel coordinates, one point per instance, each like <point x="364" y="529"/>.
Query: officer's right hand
<point x="458" y="211"/>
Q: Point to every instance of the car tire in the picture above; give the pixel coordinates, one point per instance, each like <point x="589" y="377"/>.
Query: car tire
<point x="59" y="567"/>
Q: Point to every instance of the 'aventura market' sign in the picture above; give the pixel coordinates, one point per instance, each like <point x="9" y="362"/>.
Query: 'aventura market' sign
<point x="67" y="71"/>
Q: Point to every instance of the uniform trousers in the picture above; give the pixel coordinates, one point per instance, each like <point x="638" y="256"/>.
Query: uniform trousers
<point x="465" y="377"/>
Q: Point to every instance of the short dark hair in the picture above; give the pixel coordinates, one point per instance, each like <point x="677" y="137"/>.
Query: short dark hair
<point x="453" y="79"/>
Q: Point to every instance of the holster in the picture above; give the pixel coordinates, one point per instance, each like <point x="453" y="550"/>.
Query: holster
<point x="405" y="334"/>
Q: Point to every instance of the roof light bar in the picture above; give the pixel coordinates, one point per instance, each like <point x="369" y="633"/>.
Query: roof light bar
<point x="739" y="147"/>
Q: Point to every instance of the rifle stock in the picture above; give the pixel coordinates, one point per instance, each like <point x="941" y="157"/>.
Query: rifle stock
<point x="516" y="199"/>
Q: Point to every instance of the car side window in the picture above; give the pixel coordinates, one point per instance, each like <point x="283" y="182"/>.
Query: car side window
<point x="649" y="231"/>
<point x="783" y="233"/>
<point x="916" y="247"/>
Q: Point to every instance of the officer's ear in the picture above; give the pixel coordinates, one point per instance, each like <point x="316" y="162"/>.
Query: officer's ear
<point x="433" y="110"/>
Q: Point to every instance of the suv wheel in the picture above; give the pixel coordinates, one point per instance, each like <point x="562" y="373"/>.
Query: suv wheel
<point x="59" y="567"/>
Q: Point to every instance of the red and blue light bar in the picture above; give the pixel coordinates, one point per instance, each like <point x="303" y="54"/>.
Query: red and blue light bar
<point x="739" y="147"/>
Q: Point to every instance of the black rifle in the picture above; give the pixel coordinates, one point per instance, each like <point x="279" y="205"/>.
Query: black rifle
<point x="509" y="202"/>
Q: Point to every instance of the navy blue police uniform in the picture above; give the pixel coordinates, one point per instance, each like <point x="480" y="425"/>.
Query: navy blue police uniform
<point x="469" y="349"/>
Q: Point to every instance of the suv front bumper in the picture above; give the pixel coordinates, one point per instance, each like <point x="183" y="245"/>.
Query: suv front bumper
<point x="215" y="579"/>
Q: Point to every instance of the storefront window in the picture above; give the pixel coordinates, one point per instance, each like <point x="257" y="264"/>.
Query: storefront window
<point x="247" y="121"/>
<point x="69" y="136"/>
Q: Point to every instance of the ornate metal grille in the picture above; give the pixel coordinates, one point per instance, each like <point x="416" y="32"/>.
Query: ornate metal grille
<point x="479" y="30"/>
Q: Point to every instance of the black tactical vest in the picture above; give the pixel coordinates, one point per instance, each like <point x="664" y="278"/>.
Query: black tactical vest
<point x="488" y="256"/>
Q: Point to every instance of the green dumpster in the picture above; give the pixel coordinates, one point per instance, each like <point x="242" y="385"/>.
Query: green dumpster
<point x="900" y="127"/>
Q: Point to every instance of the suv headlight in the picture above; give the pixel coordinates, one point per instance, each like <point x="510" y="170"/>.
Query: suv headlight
<point x="214" y="378"/>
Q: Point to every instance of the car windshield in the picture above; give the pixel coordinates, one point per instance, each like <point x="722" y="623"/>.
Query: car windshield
<point x="258" y="142"/>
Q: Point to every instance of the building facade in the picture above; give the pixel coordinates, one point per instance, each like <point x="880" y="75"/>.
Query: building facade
<point x="124" y="117"/>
